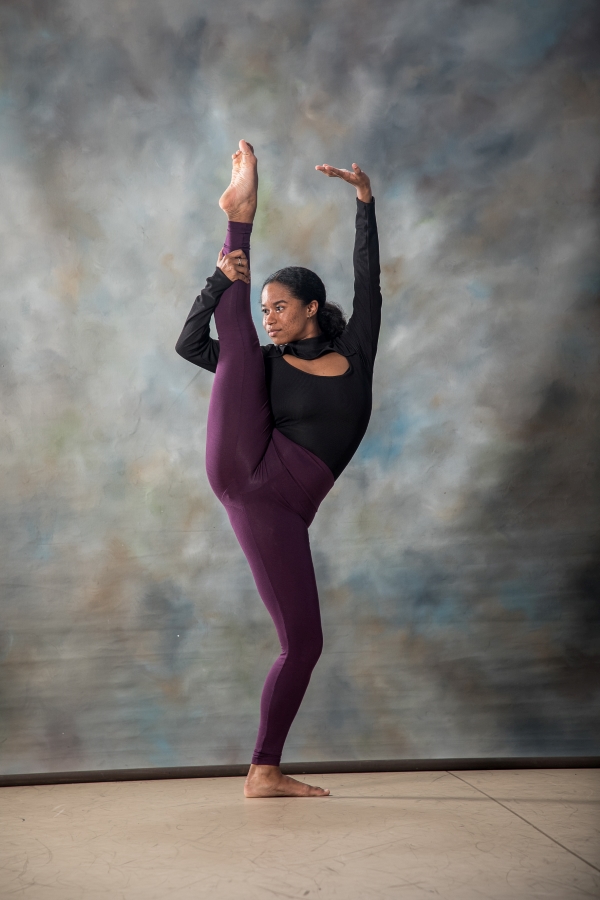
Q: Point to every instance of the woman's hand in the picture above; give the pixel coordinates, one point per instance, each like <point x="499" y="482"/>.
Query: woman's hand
<point x="234" y="265"/>
<point x="358" y="178"/>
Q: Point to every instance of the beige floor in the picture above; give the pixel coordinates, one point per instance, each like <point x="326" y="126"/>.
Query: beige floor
<point x="461" y="836"/>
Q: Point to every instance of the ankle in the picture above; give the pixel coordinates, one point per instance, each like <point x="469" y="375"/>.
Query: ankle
<point x="259" y="771"/>
<point x="244" y="214"/>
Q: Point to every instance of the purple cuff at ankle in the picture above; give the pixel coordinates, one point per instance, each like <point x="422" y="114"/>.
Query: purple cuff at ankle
<point x="238" y="236"/>
<point x="264" y="759"/>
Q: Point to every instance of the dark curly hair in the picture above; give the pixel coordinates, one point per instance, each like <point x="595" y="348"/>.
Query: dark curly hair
<point x="305" y="285"/>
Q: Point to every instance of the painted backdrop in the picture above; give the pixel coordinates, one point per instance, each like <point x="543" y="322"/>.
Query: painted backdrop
<point x="458" y="554"/>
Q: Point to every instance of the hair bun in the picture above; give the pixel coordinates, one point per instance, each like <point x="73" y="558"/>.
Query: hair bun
<point x="332" y="320"/>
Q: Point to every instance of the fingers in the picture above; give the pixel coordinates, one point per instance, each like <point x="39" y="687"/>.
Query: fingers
<point x="332" y="172"/>
<point x="238" y="261"/>
<point x="235" y="265"/>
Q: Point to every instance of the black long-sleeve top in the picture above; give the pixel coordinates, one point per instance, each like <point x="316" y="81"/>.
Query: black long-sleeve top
<point x="325" y="414"/>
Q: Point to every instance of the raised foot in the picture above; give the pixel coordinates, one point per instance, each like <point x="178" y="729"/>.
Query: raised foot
<point x="269" y="781"/>
<point x="239" y="199"/>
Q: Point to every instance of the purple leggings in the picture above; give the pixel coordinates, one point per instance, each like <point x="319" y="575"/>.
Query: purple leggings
<point x="271" y="488"/>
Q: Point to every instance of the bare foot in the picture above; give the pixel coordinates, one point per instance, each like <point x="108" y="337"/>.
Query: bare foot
<point x="239" y="199"/>
<point x="268" y="781"/>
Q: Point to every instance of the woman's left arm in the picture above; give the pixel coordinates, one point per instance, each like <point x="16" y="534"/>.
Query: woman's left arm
<point x="362" y="331"/>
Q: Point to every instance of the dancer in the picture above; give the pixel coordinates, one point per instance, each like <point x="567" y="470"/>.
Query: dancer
<point x="284" y="421"/>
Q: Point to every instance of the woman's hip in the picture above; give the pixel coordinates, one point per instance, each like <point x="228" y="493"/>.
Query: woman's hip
<point x="288" y="476"/>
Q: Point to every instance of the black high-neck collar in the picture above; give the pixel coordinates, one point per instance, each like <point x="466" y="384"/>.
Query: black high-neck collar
<point x="308" y="348"/>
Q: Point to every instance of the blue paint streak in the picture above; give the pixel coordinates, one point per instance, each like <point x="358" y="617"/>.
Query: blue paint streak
<point x="543" y="24"/>
<point x="387" y="443"/>
<point x="479" y="290"/>
<point x="589" y="283"/>
<point x="413" y="594"/>
<point x="531" y="597"/>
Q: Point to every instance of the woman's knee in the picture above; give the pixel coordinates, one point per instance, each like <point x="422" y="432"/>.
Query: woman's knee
<point x="224" y="485"/>
<point x="306" y="652"/>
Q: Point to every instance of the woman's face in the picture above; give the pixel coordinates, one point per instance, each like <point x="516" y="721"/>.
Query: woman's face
<point x="285" y="318"/>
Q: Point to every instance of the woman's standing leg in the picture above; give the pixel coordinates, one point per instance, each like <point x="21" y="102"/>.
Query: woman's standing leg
<point x="275" y="541"/>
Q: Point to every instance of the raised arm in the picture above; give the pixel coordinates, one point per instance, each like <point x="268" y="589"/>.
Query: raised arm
<point x="362" y="332"/>
<point x="195" y="343"/>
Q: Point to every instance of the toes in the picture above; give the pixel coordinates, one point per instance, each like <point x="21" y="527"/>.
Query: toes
<point x="319" y="791"/>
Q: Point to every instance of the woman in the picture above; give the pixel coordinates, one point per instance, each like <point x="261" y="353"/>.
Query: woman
<point x="284" y="421"/>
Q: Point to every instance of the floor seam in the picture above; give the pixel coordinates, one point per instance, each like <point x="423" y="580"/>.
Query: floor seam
<point x="523" y="819"/>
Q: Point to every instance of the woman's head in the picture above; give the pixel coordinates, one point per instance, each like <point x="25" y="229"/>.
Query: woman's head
<point x="294" y="307"/>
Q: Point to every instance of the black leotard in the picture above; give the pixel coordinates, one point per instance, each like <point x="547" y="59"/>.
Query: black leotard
<point x="325" y="414"/>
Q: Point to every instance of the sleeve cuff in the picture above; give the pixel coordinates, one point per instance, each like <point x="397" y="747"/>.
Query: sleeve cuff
<point x="220" y="276"/>
<point x="240" y="227"/>
<point x="365" y="208"/>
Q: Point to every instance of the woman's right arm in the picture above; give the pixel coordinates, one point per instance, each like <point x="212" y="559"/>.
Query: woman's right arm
<point x="195" y="343"/>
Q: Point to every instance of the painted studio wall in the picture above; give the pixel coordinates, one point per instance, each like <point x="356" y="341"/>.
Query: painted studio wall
<point x="457" y="556"/>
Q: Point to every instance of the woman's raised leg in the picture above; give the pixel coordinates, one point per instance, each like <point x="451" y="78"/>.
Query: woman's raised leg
<point x="239" y="417"/>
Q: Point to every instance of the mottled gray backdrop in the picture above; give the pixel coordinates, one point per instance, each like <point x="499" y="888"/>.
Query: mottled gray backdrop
<point x="458" y="554"/>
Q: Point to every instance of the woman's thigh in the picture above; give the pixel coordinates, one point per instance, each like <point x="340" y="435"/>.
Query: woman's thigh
<point x="274" y="538"/>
